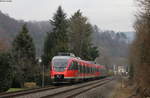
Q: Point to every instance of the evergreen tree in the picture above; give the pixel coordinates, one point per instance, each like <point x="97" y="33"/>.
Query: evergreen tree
<point x="80" y="42"/>
<point x="93" y="53"/>
<point x="57" y="40"/>
<point x="5" y="72"/>
<point x="60" y="25"/>
<point x="48" y="49"/>
<point x="23" y="52"/>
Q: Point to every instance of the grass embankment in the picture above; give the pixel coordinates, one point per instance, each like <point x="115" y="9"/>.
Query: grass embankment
<point x="15" y="89"/>
<point x="27" y="85"/>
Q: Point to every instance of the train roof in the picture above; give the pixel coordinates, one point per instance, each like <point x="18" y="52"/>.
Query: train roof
<point x="62" y="57"/>
<point x="75" y="58"/>
<point x="69" y="57"/>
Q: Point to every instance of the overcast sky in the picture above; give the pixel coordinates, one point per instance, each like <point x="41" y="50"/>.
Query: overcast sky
<point x="117" y="15"/>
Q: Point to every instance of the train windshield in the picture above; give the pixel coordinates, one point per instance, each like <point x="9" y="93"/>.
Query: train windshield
<point x="60" y="62"/>
<point x="60" y="65"/>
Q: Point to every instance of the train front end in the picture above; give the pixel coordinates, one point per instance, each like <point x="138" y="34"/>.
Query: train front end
<point x="59" y="69"/>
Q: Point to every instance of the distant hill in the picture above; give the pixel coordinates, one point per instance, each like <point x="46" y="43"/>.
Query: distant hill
<point x="130" y="35"/>
<point x="9" y="28"/>
<point x="113" y="46"/>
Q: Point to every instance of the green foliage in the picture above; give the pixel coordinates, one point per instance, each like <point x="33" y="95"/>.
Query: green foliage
<point x="49" y="44"/>
<point x="60" y="31"/>
<point x="16" y="89"/>
<point x="93" y="53"/>
<point x="23" y="52"/>
<point x="57" y="40"/>
<point x="69" y="36"/>
<point x="5" y="72"/>
<point x="80" y="42"/>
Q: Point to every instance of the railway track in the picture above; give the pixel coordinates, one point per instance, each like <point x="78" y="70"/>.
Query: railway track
<point x="57" y="91"/>
<point x="24" y="92"/>
<point x="75" y="91"/>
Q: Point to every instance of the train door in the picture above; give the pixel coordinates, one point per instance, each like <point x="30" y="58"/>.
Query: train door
<point x="82" y="70"/>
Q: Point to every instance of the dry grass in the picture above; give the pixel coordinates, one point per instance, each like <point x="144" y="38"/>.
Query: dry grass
<point x="30" y="85"/>
<point x="122" y="92"/>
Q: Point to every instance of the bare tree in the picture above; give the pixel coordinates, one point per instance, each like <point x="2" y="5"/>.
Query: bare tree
<point x="140" y="51"/>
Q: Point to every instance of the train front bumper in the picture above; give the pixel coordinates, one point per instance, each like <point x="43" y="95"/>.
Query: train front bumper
<point x="62" y="79"/>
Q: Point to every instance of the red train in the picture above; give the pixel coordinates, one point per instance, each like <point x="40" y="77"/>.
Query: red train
<point x="72" y="69"/>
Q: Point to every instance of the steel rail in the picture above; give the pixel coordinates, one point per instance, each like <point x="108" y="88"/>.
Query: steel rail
<point x="102" y="82"/>
<point x="24" y="92"/>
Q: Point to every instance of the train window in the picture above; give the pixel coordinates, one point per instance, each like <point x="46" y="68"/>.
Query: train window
<point x="88" y="69"/>
<point x="84" y="71"/>
<point x="59" y="65"/>
<point x="97" y="69"/>
<point x="94" y="69"/>
<point x="81" y="68"/>
<point x="60" y="62"/>
<point x="73" y="65"/>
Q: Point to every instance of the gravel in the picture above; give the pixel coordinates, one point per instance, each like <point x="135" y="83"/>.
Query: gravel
<point x="104" y="91"/>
